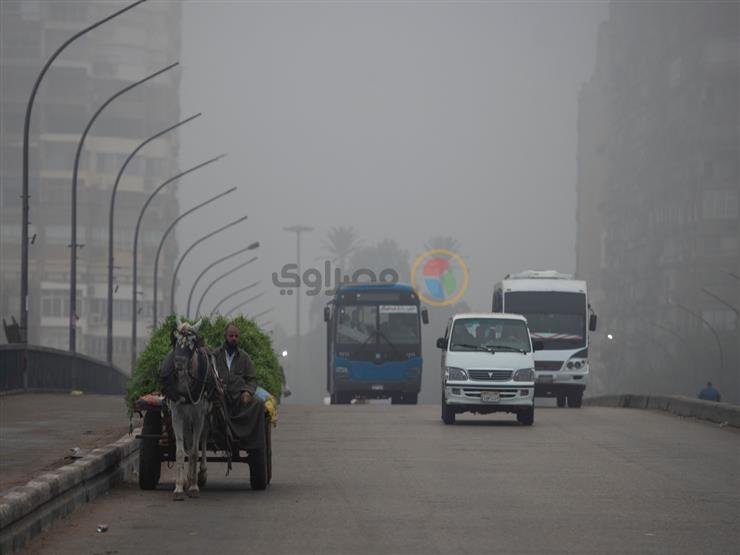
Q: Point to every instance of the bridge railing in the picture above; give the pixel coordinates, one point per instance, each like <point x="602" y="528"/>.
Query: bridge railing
<point x="53" y="370"/>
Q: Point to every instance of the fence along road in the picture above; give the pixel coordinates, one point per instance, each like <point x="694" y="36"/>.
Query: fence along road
<point x="394" y="479"/>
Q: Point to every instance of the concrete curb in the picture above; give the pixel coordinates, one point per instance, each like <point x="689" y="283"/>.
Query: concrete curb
<point x="26" y="511"/>
<point x="675" y="404"/>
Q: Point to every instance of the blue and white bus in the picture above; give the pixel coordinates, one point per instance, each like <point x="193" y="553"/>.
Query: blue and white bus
<point x="373" y="343"/>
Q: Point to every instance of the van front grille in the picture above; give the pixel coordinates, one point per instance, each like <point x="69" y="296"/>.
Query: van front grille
<point x="490" y="375"/>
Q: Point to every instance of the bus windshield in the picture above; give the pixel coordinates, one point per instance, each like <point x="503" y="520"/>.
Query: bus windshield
<point x="370" y="323"/>
<point x="557" y="319"/>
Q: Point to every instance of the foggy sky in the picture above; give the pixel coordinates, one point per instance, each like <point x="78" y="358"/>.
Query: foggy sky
<point x="404" y="120"/>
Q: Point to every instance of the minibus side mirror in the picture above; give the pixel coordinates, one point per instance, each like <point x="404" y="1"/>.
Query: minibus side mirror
<point x="538" y="345"/>
<point x="327" y="314"/>
<point x="592" y="322"/>
<point x="441" y="343"/>
<point x="424" y="316"/>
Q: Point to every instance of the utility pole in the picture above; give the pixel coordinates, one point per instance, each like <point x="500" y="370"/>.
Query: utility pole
<point x="298" y="229"/>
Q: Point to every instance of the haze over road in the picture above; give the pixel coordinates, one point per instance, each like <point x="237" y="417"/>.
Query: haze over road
<point x="394" y="479"/>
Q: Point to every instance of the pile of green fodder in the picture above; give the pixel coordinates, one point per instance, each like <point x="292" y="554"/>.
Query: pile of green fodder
<point x="145" y="376"/>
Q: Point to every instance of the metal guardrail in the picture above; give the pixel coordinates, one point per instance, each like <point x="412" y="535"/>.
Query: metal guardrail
<point x="48" y="370"/>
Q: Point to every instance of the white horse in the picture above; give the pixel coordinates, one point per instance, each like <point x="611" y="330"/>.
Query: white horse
<point x="190" y="374"/>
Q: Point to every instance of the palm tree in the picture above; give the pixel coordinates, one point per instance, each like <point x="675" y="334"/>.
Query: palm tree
<point x="385" y="255"/>
<point x="446" y="242"/>
<point x="340" y="243"/>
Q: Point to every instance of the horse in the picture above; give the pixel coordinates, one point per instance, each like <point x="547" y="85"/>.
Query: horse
<point x="189" y="379"/>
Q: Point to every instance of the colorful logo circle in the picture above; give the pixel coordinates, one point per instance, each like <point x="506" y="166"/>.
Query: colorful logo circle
<point x="439" y="277"/>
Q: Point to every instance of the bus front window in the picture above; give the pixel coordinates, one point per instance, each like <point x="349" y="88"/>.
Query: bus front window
<point x="557" y="319"/>
<point x="356" y="324"/>
<point x="399" y="328"/>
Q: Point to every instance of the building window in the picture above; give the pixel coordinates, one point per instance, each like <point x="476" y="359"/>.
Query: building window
<point x="719" y="204"/>
<point x="55" y="303"/>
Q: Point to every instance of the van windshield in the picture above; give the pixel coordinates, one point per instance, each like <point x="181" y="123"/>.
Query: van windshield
<point x="484" y="334"/>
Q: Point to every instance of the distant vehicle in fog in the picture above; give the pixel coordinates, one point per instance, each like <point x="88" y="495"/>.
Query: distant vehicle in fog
<point x="487" y="366"/>
<point x="557" y="311"/>
<point x="373" y="343"/>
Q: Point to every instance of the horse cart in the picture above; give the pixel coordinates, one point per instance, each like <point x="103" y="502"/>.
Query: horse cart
<point x="158" y="446"/>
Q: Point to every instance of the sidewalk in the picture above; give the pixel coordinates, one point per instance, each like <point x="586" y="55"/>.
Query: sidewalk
<point x="38" y="431"/>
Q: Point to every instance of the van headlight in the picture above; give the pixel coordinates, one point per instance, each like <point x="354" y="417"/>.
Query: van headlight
<point x="455" y="374"/>
<point x="524" y="375"/>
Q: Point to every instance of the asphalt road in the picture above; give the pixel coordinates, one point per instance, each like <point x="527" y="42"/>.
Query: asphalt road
<point x="39" y="431"/>
<point x="394" y="479"/>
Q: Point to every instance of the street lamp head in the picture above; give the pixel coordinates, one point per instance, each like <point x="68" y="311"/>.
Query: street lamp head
<point x="609" y="336"/>
<point x="253" y="246"/>
<point x="284" y="353"/>
<point x="298" y="228"/>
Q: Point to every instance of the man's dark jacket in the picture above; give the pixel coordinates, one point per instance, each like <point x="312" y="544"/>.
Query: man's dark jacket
<point x="247" y="422"/>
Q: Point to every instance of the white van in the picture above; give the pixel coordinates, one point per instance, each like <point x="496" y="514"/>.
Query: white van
<point x="487" y="366"/>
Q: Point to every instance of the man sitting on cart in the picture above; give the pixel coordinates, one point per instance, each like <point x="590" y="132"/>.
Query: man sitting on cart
<point x="245" y="411"/>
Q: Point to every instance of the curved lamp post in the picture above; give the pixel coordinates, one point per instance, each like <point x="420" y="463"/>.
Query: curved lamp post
<point x="227" y="297"/>
<point x="219" y="278"/>
<point x="136" y="246"/>
<point x="24" y="194"/>
<point x="164" y="236"/>
<point x="260" y="314"/>
<point x="73" y="238"/>
<point x="109" y="344"/>
<point x="190" y="248"/>
<point x="721" y="300"/>
<point x="230" y="312"/>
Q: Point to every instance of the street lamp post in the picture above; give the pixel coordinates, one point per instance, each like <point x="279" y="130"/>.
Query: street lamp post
<point x="109" y="345"/>
<point x="227" y="297"/>
<point x="136" y="245"/>
<point x="219" y="278"/>
<point x="190" y="248"/>
<point x="73" y="240"/>
<point x="298" y="229"/>
<point x="161" y="244"/>
<point x="25" y="195"/>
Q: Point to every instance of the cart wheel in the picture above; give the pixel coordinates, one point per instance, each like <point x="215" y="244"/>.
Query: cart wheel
<point x="268" y="438"/>
<point x="149" y="456"/>
<point x="257" y="461"/>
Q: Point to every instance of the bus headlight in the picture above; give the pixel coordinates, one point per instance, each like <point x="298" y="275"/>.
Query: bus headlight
<point x="455" y="374"/>
<point x="524" y="375"/>
<point x="576" y="364"/>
